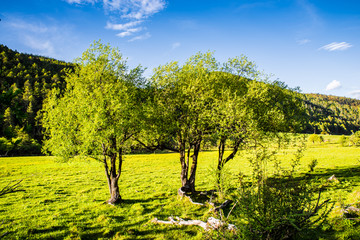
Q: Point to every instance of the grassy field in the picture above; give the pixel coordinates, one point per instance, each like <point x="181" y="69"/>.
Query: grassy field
<point x="66" y="200"/>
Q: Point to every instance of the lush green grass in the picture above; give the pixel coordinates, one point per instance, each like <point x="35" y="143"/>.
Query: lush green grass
<point x="66" y="200"/>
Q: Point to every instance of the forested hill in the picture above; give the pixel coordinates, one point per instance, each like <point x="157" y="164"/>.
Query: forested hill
<point x="24" y="82"/>
<point x="331" y="114"/>
<point x="26" y="79"/>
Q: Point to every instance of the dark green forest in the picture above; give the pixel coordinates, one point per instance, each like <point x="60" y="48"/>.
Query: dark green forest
<point x="25" y="81"/>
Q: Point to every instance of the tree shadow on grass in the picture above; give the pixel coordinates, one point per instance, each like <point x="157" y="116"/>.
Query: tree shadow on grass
<point x="342" y="174"/>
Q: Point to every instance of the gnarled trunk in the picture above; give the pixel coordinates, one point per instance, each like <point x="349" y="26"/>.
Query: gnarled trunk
<point x="188" y="179"/>
<point x="114" y="192"/>
<point x="113" y="174"/>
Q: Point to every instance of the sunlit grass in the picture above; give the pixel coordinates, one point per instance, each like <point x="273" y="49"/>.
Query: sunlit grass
<point x="66" y="200"/>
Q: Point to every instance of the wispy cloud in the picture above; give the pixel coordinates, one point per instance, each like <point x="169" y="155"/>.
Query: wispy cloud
<point x="124" y="26"/>
<point x="43" y="36"/>
<point x="44" y="46"/>
<point x="310" y="11"/>
<point x="81" y="1"/>
<point x="134" y="11"/>
<point x="254" y="5"/>
<point x="129" y="32"/>
<point x="175" y="45"/>
<point x="141" y="37"/>
<point x="28" y="27"/>
<point x="355" y="93"/>
<point x="335" y="46"/>
<point x="303" y="41"/>
<point x="333" y="85"/>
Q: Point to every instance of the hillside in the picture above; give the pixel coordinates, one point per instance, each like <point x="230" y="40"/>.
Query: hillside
<point x="331" y="114"/>
<point x="24" y="82"/>
<point x="26" y="79"/>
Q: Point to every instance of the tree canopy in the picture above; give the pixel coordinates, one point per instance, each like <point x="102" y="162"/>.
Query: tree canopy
<point x="97" y="112"/>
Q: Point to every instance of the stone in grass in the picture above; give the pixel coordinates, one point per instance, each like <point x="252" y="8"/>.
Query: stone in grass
<point x="351" y="212"/>
<point x="333" y="179"/>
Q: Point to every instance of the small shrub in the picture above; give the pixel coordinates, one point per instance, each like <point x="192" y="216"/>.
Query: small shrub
<point x="342" y="140"/>
<point x="355" y="139"/>
<point x="5" y="146"/>
<point x="314" y="138"/>
<point x="280" y="207"/>
<point x="312" y="165"/>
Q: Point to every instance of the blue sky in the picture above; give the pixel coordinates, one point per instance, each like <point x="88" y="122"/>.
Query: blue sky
<point x="311" y="44"/>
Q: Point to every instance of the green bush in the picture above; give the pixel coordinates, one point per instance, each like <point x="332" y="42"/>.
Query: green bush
<point x="5" y="146"/>
<point x="277" y="207"/>
<point x="342" y="140"/>
<point x="314" y="138"/>
<point x="355" y="139"/>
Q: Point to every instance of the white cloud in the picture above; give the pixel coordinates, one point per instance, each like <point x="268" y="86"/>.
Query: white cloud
<point x="34" y="27"/>
<point x="135" y="9"/>
<point x="124" y="26"/>
<point x="175" y="45"/>
<point x="40" y="36"/>
<point x="81" y="1"/>
<point x="355" y="93"/>
<point x="44" y="46"/>
<point x="141" y="37"/>
<point x="335" y="46"/>
<point x="333" y="85"/>
<point x="303" y="41"/>
<point x="128" y="32"/>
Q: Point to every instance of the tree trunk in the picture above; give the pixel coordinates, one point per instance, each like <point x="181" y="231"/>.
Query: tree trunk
<point x="112" y="175"/>
<point x="114" y="191"/>
<point x="194" y="165"/>
<point x="188" y="178"/>
<point x="221" y="160"/>
<point x="184" y="168"/>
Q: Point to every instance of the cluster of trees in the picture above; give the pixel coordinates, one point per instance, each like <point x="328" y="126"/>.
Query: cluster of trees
<point x="331" y="114"/>
<point x="25" y="81"/>
<point x="107" y="107"/>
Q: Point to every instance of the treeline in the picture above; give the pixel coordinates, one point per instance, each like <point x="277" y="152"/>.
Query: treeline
<point x="25" y="80"/>
<point x="331" y="114"/>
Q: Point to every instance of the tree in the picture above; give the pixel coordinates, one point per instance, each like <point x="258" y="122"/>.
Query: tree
<point x="97" y="112"/>
<point x="248" y="107"/>
<point x="183" y="105"/>
<point x="203" y="98"/>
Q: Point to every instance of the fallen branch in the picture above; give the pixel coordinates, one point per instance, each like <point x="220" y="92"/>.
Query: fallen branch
<point x="10" y="188"/>
<point x="211" y="224"/>
<point x="223" y="205"/>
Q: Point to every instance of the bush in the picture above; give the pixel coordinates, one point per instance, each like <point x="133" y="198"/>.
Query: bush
<point x="355" y="139"/>
<point x="314" y="138"/>
<point x="277" y="207"/>
<point x="5" y="146"/>
<point x="342" y="140"/>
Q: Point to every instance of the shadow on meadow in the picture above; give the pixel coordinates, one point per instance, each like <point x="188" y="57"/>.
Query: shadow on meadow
<point x="350" y="175"/>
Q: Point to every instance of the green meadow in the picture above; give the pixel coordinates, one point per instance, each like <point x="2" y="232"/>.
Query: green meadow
<point x="65" y="200"/>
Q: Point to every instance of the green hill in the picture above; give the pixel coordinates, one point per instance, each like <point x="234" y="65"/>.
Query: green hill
<point x="24" y="82"/>
<point x="331" y="114"/>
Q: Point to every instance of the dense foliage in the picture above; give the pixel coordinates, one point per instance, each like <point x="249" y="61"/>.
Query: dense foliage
<point x="25" y="81"/>
<point x="97" y="112"/>
<point x="332" y="115"/>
